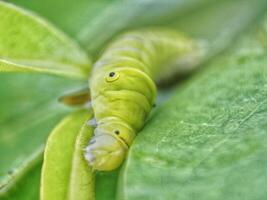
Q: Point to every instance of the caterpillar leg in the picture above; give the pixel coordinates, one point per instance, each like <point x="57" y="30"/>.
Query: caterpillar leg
<point x="92" y="122"/>
<point x="88" y="105"/>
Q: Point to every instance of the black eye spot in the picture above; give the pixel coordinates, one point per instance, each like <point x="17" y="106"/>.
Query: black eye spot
<point x="111" y="74"/>
<point x="117" y="132"/>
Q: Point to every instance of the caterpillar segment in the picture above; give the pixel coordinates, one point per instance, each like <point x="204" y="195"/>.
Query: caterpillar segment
<point x="123" y="88"/>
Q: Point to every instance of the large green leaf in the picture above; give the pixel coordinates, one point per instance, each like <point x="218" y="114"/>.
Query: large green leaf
<point x="65" y="172"/>
<point x="209" y="140"/>
<point x="106" y="185"/>
<point x="29" y="110"/>
<point x="29" y="44"/>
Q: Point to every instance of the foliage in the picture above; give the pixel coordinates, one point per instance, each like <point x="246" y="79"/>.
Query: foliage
<point x="209" y="140"/>
<point x="206" y="142"/>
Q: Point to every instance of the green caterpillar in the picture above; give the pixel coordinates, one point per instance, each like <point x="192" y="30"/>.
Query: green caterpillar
<point x="123" y="88"/>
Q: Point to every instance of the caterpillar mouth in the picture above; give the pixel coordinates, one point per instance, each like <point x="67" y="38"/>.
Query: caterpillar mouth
<point x="104" y="152"/>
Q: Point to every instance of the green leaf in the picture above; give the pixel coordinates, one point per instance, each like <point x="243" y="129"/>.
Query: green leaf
<point x="65" y="173"/>
<point x="209" y="140"/>
<point x="107" y="182"/>
<point x="27" y="186"/>
<point x="88" y="21"/>
<point x="29" y="111"/>
<point x="219" y="24"/>
<point x="204" y="19"/>
<point x="119" y="17"/>
<point x="29" y="44"/>
<point x="73" y="16"/>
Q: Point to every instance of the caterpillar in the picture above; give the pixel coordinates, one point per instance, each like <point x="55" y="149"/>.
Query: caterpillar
<point x="123" y="88"/>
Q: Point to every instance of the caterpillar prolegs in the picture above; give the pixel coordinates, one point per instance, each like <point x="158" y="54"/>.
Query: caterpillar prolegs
<point x="123" y="88"/>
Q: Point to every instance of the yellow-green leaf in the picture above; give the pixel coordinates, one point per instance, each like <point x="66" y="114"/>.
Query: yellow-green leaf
<point x="30" y="44"/>
<point x="65" y="173"/>
<point x="73" y="15"/>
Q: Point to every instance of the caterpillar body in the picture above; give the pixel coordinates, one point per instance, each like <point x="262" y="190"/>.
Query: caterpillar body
<point x="123" y="88"/>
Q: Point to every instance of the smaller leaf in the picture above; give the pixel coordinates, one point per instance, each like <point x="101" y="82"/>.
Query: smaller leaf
<point x="65" y="173"/>
<point x="81" y="182"/>
<point x="30" y="44"/>
<point x="72" y="17"/>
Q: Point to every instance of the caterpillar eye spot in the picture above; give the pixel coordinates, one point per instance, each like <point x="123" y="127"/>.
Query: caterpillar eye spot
<point x="112" y="76"/>
<point x="117" y="132"/>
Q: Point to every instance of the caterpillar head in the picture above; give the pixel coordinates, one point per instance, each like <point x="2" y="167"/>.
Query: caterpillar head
<point x="107" y="149"/>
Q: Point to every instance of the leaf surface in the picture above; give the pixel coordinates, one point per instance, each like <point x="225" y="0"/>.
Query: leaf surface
<point x="73" y="16"/>
<point x="89" y="21"/>
<point x="65" y="172"/>
<point x="29" y="111"/>
<point x="30" y="44"/>
<point x="107" y="182"/>
<point x="209" y="140"/>
<point x="27" y="186"/>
